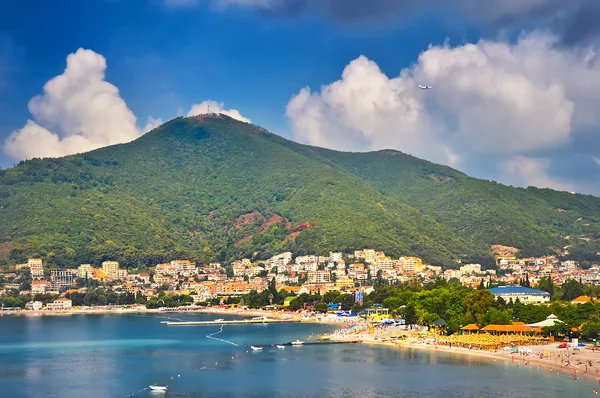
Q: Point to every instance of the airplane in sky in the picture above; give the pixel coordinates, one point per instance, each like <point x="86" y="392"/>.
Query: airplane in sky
<point x="424" y="87"/>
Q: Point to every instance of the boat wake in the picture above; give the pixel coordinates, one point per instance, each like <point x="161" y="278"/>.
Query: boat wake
<point x="210" y="336"/>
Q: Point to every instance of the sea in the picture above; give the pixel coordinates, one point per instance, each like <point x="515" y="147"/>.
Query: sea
<point x="121" y="355"/>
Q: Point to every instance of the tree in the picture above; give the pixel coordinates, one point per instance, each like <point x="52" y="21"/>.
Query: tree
<point x="478" y="303"/>
<point x="481" y="285"/>
<point x="295" y="304"/>
<point x="410" y="315"/>
<point x="517" y="307"/>
<point x="393" y="303"/>
<point x="379" y="280"/>
<point x="591" y="330"/>
<point x="346" y="300"/>
<point x="498" y="317"/>
<point x="25" y="278"/>
<point x="76" y="298"/>
<point x="331" y="296"/>
<point x="320" y="307"/>
<point x="500" y="303"/>
<point x="572" y="289"/>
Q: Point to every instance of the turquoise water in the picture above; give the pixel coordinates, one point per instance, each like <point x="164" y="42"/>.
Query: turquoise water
<point x="120" y="355"/>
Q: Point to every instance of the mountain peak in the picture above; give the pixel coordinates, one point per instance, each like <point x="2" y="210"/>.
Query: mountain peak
<point x="209" y="116"/>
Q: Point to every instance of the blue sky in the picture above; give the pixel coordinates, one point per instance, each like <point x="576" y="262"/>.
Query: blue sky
<point x="164" y="57"/>
<point x="255" y="56"/>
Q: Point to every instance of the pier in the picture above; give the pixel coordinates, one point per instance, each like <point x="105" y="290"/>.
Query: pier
<point x="230" y="322"/>
<point x="307" y="343"/>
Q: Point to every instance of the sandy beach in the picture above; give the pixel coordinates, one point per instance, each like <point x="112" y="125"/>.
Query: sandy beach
<point x="545" y="358"/>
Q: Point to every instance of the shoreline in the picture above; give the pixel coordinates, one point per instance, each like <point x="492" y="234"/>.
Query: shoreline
<point x="208" y="310"/>
<point x="552" y="364"/>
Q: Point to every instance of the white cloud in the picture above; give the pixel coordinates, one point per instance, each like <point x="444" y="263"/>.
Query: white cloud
<point x="490" y="100"/>
<point x="83" y="111"/>
<point x="215" y="107"/>
<point x="525" y="171"/>
<point x="365" y="111"/>
<point x="152" y="124"/>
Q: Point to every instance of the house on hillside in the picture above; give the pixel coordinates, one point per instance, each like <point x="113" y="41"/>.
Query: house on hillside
<point x="581" y="300"/>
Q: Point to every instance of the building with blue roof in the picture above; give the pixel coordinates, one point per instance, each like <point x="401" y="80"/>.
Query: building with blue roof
<point x="526" y="295"/>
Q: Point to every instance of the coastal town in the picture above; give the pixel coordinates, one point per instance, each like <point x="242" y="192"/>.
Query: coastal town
<point x="478" y="329"/>
<point x="354" y="273"/>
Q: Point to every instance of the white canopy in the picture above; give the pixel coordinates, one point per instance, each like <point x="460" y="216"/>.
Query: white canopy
<point x="551" y="320"/>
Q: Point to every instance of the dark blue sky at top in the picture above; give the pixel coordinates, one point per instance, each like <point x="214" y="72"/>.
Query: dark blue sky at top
<point x="163" y="59"/>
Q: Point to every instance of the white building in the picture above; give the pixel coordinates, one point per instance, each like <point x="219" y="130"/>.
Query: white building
<point x="335" y="257"/>
<point x="184" y="266"/>
<point x="385" y="263"/>
<point x="410" y="264"/>
<point x="62" y="303"/>
<point x="33" y="305"/>
<point x="111" y="268"/>
<point x="471" y="269"/>
<point x="319" y="277"/>
<point x="310" y="267"/>
<point x="306" y="259"/>
<point x="39" y="287"/>
<point x="36" y="268"/>
<point x="85" y="271"/>
<point x="282" y="259"/>
<point x="369" y="255"/>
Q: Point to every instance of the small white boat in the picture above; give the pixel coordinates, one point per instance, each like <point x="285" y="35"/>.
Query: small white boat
<point x="219" y="320"/>
<point x="281" y="347"/>
<point x="256" y="348"/>
<point x="297" y="342"/>
<point x="158" y="388"/>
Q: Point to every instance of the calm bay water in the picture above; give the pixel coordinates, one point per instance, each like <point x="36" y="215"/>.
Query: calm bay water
<point x="120" y="355"/>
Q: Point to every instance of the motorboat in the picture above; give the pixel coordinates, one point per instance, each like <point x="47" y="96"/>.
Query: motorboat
<point x="281" y="347"/>
<point x="297" y="342"/>
<point x="219" y="320"/>
<point x="158" y="388"/>
<point x="256" y="348"/>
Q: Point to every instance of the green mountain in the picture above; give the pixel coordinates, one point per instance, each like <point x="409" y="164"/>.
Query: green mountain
<point x="213" y="189"/>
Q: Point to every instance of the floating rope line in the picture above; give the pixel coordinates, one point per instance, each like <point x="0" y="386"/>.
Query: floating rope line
<point x="157" y="317"/>
<point x="136" y="393"/>
<point x="210" y="336"/>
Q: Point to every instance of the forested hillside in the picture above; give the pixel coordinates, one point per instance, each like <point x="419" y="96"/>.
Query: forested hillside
<point x="213" y="188"/>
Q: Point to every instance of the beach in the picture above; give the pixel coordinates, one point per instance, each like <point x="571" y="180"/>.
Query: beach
<point x="544" y="357"/>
